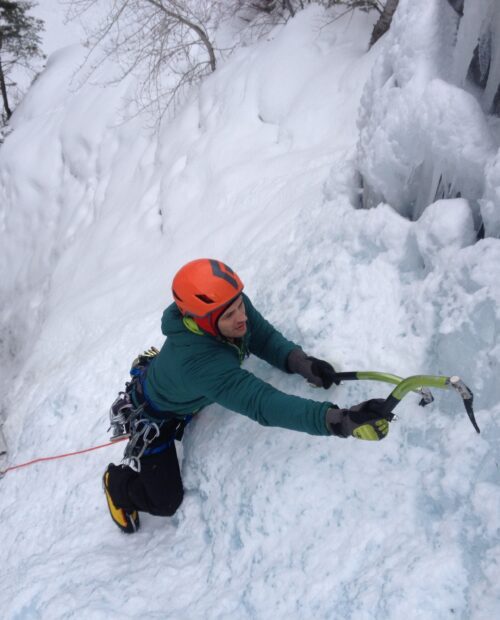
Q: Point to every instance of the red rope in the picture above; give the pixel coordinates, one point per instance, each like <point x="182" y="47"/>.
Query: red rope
<point x="59" y="456"/>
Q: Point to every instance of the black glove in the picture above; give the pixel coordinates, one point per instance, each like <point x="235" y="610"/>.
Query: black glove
<point x="317" y="372"/>
<point x="361" y="421"/>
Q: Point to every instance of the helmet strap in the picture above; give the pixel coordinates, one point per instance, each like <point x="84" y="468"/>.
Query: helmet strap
<point x="191" y="325"/>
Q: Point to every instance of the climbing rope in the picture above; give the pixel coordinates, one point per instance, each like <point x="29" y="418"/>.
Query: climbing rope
<point x="59" y="456"/>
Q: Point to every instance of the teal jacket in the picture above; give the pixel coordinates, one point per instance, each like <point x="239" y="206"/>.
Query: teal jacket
<point x="195" y="369"/>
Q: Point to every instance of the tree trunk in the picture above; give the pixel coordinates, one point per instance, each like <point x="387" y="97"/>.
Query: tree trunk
<point x="3" y="87"/>
<point x="384" y="21"/>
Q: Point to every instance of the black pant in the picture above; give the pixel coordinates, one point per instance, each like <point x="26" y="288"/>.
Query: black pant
<point x="157" y="488"/>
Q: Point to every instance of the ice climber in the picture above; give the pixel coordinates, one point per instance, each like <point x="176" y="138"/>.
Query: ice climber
<point x="211" y="328"/>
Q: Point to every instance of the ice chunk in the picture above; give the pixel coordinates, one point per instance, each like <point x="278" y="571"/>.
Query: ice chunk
<point x="444" y="225"/>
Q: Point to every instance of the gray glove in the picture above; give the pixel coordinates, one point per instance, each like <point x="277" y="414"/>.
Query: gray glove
<point x="317" y="372"/>
<point x="361" y="421"/>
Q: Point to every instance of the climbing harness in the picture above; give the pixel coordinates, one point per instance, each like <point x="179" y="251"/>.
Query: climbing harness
<point x="132" y="416"/>
<point x="124" y="411"/>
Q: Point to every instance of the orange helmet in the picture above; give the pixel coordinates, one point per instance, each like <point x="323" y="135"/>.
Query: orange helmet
<point x="204" y="286"/>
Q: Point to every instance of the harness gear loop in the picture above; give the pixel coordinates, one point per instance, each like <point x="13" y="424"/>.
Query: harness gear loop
<point x="120" y="415"/>
<point x="125" y="409"/>
<point x="134" y="417"/>
<point x="141" y="430"/>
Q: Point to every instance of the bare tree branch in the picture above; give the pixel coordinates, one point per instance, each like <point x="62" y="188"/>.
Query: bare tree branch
<point x="198" y="29"/>
<point x="159" y="41"/>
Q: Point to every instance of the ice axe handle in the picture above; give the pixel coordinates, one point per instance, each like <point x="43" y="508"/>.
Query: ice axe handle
<point x="385" y="408"/>
<point x="344" y="376"/>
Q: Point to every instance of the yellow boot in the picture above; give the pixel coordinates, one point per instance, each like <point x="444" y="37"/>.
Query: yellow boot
<point x="127" y="522"/>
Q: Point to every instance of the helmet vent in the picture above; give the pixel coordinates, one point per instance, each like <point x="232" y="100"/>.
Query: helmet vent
<point x="205" y="299"/>
<point x="176" y="296"/>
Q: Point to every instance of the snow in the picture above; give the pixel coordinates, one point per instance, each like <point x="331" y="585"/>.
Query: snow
<point x="261" y="169"/>
<point x="59" y="31"/>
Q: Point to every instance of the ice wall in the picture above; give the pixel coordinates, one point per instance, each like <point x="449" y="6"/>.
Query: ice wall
<point x="425" y="127"/>
<point x="477" y="51"/>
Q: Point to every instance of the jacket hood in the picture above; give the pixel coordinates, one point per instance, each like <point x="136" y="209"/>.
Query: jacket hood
<point x="171" y="322"/>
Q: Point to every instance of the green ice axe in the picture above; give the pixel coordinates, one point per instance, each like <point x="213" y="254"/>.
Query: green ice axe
<point x="415" y="383"/>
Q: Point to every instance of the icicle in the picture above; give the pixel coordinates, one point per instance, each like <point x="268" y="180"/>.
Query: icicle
<point x="484" y="58"/>
<point x="472" y="24"/>
<point x="426" y="182"/>
<point x="493" y="83"/>
<point x="3" y="445"/>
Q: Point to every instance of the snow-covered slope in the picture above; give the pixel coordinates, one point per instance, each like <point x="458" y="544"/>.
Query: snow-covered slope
<point x="258" y="169"/>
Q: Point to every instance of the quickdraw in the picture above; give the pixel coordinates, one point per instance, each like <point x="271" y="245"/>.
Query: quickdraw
<point x="143" y="433"/>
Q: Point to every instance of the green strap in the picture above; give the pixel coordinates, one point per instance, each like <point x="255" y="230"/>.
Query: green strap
<point x="191" y="325"/>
